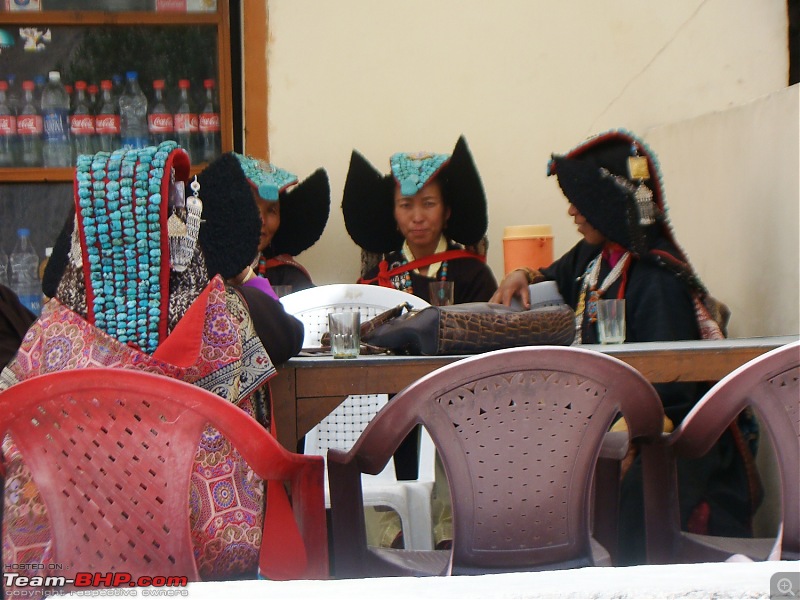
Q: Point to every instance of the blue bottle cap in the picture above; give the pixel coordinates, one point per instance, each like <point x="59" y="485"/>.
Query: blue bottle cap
<point x="23" y="232"/>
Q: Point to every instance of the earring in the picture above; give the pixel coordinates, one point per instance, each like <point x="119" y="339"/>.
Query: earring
<point x="645" y="205"/>
<point x="183" y="235"/>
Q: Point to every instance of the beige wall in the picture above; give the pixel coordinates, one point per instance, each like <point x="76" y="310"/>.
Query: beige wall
<point x="524" y="78"/>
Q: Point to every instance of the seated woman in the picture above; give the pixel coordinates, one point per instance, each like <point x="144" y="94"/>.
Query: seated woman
<point x="616" y="197"/>
<point x="418" y="220"/>
<point x="292" y="220"/>
<point x="145" y="277"/>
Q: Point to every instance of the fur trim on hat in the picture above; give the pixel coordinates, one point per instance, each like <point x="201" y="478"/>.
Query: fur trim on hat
<point x="231" y="225"/>
<point x="594" y="176"/>
<point x="304" y="213"/>
<point x="368" y="202"/>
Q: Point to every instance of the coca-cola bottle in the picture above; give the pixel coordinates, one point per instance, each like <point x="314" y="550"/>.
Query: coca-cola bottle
<point x="106" y="122"/>
<point x="94" y="97"/>
<point x="8" y="129"/>
<point x="186" y="122"/>
<point x="159" y="121"/>
<point x="14" y="94"/>
<point x="39" y="82"/>
<point x="81" y="122"/>
<point x="209" y="125"/>
<point x="29" y="128"/>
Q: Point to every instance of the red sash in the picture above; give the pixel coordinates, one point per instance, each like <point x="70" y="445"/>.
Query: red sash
<point x="283" y="259"/>
<point x="384" y="277"/>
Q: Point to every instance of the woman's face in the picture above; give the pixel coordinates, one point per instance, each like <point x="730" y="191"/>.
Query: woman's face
<point x="270" y="220"/>
<point x="590" y="234"/>
<point x="422" y="217"/>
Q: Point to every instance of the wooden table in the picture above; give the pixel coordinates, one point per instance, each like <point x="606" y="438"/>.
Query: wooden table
<point x="307" y="388"/>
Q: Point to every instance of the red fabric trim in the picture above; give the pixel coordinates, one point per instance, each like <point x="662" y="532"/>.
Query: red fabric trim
<point x="183" y="345"/>
<point x="165" y="253"/>
<point x="384" y="275"/>
<point x="671" y="258"/>
<point x="85" y="257"/>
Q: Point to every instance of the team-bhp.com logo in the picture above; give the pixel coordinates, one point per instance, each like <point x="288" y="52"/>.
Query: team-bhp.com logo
<point x="20" y="584"/>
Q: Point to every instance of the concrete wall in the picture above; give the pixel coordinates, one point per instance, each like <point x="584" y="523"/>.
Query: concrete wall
<point x="524" y="78"/>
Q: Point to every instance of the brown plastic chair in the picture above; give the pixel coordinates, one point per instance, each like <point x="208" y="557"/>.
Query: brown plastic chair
<point x="519" y="432"/>
<point x="111" y="452"/>
<point x="770" y="384"/>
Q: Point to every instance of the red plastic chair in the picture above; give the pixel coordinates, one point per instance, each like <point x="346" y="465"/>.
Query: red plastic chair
<point x="519" y="432"/>
<point x="770" y="384"/>
<point x="111" y="453"/>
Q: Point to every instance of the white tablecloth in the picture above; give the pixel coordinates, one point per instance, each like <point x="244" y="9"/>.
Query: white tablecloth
<point x="708" y="580"/>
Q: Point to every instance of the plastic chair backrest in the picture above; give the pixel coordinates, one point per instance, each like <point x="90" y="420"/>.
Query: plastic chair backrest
<point x="770" y="384"/>
<point x="313" y="305"/>
<point x="519" y="432"/>
<point x="111" y="452"/>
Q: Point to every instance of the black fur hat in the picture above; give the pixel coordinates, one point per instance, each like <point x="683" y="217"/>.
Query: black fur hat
<point x="231" y="224"/>
<point x="614" y="180"/>
<point x="304" y="213"/>
<point x="368" y="198"/>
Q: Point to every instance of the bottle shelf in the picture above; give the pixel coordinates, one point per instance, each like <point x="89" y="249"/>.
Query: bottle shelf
<point x="53" y="175"/>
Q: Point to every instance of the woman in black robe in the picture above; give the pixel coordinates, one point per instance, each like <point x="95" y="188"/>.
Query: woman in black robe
<point x="616" y="198"/>
<point x="423" y="222"/>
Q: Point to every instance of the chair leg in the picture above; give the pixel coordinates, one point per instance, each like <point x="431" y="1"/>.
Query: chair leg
<point x="606" y="504"/>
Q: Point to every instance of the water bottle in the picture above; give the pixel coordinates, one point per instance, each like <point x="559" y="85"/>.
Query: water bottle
<point x="3" y="268"/>
<point x="159" y="121"/>
<point x="8" y="129"/>
<point x="209" y="125"/>
<point x="24" y="263"/>
<point x="57" y="149"/>
<point x="29" y="129"/>
<point x="186" y="122"/>
<point x="133" y="114"/>
<point x="106" y="121"/>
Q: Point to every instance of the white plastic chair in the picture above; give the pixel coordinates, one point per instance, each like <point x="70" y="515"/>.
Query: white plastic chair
<point x="409" y="499"/>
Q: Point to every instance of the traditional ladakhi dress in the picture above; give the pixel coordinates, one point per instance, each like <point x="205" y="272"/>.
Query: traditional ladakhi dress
<point x="213" y="342"/>
<point x="472" y="278"/>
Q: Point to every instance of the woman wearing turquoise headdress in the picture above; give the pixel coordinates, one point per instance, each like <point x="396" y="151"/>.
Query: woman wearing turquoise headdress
<point x="615" y="190"/>
<point x="153" y="274"/>
<point x="419" y="221"/>
<point x="292" y="220"/>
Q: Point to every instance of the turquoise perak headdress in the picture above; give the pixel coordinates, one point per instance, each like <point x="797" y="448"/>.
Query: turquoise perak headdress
<point x="268" y="180"/>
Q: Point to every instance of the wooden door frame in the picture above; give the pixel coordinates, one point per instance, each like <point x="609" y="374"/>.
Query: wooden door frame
<point x="255" y="36"/>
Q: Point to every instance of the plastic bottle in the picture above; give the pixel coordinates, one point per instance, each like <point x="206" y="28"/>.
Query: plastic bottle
<point x="24" y="263"/>
<point x="8" y="129"/>
<point x="81" y="122"/>
<point x="209" y="125"/>
<point x="57" y="149"/>
<point x="29" y="129"/>
<point x="159" y="121"/>
<point x="106" y="121"/>
<point x="94" y="97"/>
<point x="39" y="81"/>
<point x="133" y="113"/>
<point x="14" y="93"/>
<point x="186" y="122"/>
